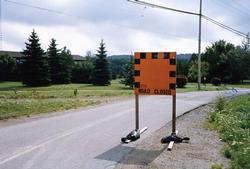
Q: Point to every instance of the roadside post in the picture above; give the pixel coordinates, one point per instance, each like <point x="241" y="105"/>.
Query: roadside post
<point x="154" y="74"/>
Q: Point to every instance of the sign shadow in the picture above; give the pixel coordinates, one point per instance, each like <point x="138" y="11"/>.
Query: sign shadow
<point x="130" y="155"/>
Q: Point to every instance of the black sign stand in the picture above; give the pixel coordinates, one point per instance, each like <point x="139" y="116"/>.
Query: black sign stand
<point x="173" y="138"/>
<point x="135" y="134"/>
<point x="137" y="112"/>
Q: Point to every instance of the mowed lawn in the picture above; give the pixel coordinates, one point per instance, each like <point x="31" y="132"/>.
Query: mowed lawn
<point x="17" y="100"/>
<point x="190" y="87"/>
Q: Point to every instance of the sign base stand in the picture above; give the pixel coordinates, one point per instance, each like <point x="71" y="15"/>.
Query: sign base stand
<point x="173" y="137"/>
<point x="133" y="135"/>
<point x="136" y="133"/>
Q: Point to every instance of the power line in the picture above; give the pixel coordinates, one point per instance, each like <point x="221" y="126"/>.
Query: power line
<point x="128" y="27"/>
<point x="239" y="7"/>
<point x="192" y="13"/>
<point x="232" y="8"/>
<point x="200" y="16"/>
<point x="137" y="2"/>
<point x="36" y="7"/>
<point x="117" y="25"/>
<point x="162" y="7"/>
<point x="225" y="26"/>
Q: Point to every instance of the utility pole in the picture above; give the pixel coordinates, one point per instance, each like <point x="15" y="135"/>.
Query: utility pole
<point x="199" y="48"/>
<point x="1" y="35"/>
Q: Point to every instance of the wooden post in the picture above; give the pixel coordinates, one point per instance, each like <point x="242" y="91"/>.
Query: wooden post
<point x="137" y="112"/>
<point x="174" y="115"/>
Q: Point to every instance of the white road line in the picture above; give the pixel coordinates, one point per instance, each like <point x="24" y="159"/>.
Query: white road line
<point x="61" y="135"/>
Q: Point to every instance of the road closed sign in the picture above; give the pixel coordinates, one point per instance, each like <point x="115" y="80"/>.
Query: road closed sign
<point x="155" y="73"/>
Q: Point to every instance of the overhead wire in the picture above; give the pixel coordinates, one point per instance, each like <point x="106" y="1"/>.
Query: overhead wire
<point x="36" y="7"/>
<point x="239" y="7"/>
<point x="141" y="3"/>
<point x="231" y="8"/>
<point x="70" y="15"/>
<point x="224" y="26"/>
<point x="162" y="7"/>
<point x="192" y="13"/>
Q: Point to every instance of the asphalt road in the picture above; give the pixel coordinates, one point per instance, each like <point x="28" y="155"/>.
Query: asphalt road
<point x="90" y="138"/>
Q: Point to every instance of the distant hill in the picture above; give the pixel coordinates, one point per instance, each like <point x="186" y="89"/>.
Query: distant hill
<point x="186" y="56"/>
<point x="125" y="57"/>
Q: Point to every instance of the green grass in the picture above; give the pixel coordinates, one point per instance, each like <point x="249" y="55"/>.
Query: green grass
<point x="217" y="166"/>
<point x="17" y="100"/>
<point x="190" y="87"/>
<point x="13" y="108"/>
<point x="232" y="120"/>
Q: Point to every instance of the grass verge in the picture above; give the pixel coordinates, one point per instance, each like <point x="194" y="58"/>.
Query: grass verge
<point x="17" y="100"/>
<point x="190" y="87"/>
<point x="232" y="120"/>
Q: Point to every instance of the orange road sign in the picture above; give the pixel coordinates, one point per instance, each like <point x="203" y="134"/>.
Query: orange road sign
<point x="155" y="73"/>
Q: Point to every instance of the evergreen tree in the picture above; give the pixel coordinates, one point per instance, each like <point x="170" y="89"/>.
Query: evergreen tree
<point x="65" y="66"/>
<point x="128" y="73"/>
<point x="101" y="73"/>
<point x="54" y="60"/>
<point x="81" y="72"/>
<point x="35" y="70"/>
<point x="7" y="68"/>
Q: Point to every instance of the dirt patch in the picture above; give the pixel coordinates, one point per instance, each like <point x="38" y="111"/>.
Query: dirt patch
<point x="202" y="151"/>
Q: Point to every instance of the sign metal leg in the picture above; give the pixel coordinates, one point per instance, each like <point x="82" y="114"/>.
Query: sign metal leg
<point x="137" y="112"/>
<point x="173" y="138"/>
<point x="135" y="134"/>
<point x="174" y="115"/>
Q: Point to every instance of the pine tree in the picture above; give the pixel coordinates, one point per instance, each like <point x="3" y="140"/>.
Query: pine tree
<point x="35" y="70"/>
<point x="65" y="66"/>
<point x="128" y="74"/>
<point x="101" y="73"/>
<point x="54" y="60"/>
<point x="7" y="68"/>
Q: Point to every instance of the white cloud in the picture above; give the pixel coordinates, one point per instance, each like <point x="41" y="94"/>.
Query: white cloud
<point x="124" y="26"/>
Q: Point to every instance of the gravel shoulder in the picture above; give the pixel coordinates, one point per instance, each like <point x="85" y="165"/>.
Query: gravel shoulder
<point x="202" y="151"/>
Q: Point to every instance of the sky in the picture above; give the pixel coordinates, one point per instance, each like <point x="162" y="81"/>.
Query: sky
<point x="125" y="27"/>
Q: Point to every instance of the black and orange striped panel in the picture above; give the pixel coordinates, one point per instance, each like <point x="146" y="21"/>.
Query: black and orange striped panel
<point x="155" y="73"/>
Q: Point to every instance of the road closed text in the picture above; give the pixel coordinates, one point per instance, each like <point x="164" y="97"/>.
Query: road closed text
<point x="155" y="91"/>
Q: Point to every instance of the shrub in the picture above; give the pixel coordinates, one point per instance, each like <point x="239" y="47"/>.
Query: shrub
<point x="231" y="120"/>
<point x="216" y="81"/>
<point x="220" y="103"/>
<point x="217" y="166"/>
<point x="181" y="81"/>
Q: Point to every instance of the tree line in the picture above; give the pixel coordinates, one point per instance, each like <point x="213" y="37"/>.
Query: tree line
<point x="222" y="60"/>
<point x="56" y="66"/>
